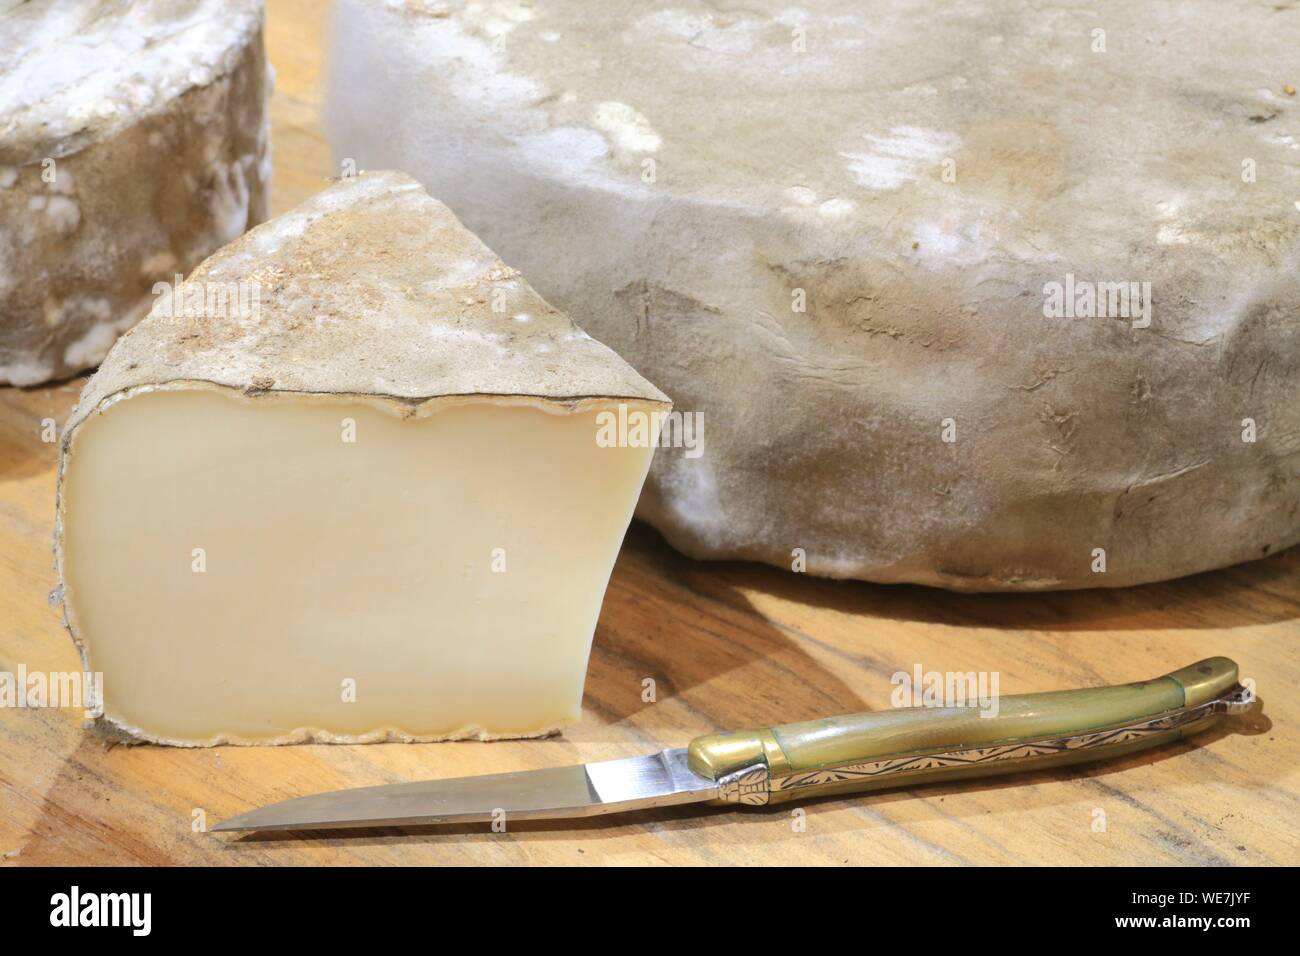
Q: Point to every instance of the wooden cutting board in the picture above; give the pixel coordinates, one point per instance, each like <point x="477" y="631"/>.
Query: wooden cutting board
<point x="727" y="646"/>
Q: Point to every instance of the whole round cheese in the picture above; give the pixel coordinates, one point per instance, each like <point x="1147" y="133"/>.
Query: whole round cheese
<point x="133" y="143"/>
<point x="978" y="295"/>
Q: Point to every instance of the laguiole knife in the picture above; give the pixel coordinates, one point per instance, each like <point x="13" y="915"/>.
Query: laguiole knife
<point x="834" y="755"/>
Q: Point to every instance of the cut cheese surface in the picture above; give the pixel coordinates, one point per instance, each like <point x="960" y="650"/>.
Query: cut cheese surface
<point x="381" y="510"/>
<point x="451" y="566"/>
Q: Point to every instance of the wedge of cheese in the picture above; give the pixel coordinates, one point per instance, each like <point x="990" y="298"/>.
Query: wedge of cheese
<point x="352" y="481"/>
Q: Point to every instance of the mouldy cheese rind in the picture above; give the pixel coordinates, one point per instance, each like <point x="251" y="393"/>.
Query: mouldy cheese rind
<point x="134" y="142"/>
<point x="832" y="229"/>
<point x="428" y="337"/>
<point x="474" y="408"/>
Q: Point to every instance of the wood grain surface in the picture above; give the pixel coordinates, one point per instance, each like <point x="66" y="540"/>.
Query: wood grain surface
<point x="728" y="646"/>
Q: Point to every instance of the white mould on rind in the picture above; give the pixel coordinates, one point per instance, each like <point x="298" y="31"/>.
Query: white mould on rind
<point x="134" y="142"/>
<point x="830" y="229"/>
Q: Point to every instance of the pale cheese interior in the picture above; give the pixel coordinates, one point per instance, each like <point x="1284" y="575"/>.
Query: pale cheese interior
<point x="327" y="561"/>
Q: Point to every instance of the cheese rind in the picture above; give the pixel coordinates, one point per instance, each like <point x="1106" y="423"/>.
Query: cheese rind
<point x="396" y="523"/>
<point x="440" y="314"/>
<point x="836" y="232"/>
<point x="134" y="142"/>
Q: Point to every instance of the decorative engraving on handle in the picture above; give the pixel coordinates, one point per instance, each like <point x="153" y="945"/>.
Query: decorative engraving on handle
<point x="1234" y="702"/>
<point x="755" y="784"/>
<point x="751" y="786"/>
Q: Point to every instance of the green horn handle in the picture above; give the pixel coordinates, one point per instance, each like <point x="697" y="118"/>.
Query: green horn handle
<point x="928" y="744"/>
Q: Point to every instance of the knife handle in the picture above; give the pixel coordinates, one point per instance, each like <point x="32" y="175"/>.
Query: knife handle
<point x="915" y="745"/>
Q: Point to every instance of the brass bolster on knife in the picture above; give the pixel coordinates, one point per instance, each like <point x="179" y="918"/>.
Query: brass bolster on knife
<point x="927" y="744"/>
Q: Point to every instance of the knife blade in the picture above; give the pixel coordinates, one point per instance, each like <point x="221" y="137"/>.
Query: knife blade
<point x="607" y="786"/>
<point x="834" y="755"/>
